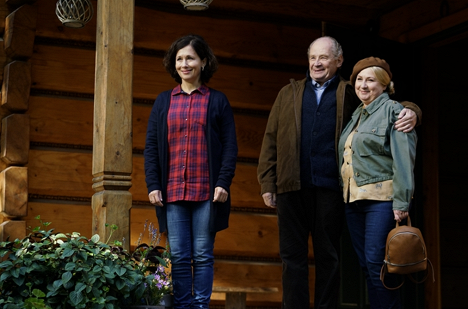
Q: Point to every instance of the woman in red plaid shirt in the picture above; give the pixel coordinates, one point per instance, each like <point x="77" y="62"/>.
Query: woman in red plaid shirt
<point x="190" y="159"/>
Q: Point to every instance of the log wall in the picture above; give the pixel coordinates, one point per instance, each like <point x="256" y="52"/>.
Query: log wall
<point x="256" y="58"/>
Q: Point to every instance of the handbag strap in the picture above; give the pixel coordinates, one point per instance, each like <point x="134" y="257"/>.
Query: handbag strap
<point x="383" y="272"/>
<point x="426" y="274"/>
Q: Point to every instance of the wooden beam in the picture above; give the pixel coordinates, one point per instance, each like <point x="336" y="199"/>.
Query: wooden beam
<point x="14" y="192"/>
<point x="16" y="86"/>
<point x="15" y="139"/>
<point x="20" y="31"/>
<point x="12" y="230"/>
<point x="430" y="144"/>
<point x="434" y="27"/>
<point x="112" y="144"/>
<point x="432" y="16"/>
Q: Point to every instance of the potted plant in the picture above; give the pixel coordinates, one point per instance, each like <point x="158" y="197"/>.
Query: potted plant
<point x="56" y="270"/>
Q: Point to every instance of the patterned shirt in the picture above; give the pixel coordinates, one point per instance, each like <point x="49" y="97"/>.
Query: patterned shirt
<point x="188" y="175"/>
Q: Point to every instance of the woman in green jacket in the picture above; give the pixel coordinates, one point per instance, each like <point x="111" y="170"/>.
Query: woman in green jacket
<point x="377" y="164"/>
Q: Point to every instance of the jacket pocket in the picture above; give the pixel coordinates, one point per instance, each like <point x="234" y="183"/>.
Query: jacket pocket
<point x="371" y="141"/>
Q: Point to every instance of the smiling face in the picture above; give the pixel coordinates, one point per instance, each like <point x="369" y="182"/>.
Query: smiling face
<point x="323" y="64"/>
<point x="189" y="65"/>
<point x="367" y="87"/>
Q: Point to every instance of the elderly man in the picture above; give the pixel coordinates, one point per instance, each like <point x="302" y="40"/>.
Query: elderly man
<point x="298" y="173"/>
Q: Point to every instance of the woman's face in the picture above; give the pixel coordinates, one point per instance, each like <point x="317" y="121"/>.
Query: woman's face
<point x="189" y="65"/>
<point x="367" y="87"/>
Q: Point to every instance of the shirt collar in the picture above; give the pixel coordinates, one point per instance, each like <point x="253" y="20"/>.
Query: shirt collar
<point x="325" y="85"/>
<point x="178" y="90"/>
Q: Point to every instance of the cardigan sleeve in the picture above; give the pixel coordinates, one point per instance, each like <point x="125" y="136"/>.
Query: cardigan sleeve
<point x="152" y="151"/>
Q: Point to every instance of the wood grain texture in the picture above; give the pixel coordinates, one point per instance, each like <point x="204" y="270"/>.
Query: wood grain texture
<point x="15" y="139"/>
<point x="271" y="43"/>
<point x="12" y="230"/>
<point x="245" y="87"/>
<point x="20" y="28"/>
<point x="69" y="121"/>
<point x="16" y="86"/>
<point x="14" y="192"/>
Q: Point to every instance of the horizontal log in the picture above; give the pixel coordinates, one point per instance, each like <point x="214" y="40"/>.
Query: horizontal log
<point x="268" y="43"/>
<point x="245" y="87"/>
<point x="244" y="274"/>
<point x="20" y="28"/>
<point x="15" y="139"/>
<point x="403" y="20"/>
<point x="66" y="173"/>
<point x="249" y="238"/>
<point x="56" y="121"/>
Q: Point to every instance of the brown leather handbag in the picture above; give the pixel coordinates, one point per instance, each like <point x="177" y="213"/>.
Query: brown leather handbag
<point x="405" y="254"/>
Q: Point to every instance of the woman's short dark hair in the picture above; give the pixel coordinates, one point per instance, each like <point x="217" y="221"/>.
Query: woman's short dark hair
<point x="201" y="48"/>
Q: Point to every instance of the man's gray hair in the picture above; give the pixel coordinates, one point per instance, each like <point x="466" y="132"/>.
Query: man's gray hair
<point x="336" y="47"/>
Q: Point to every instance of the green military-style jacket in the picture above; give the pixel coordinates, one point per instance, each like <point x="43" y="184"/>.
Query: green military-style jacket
<point x="380" y="152"/>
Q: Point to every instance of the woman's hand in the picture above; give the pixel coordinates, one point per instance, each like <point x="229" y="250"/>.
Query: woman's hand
<point x="400" y="215"/>
<point x="155" y="198"/>
<point x="220" y="195"/>
<point x="407" y="120"/>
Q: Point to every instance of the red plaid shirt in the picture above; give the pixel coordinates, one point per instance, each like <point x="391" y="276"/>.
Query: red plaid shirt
<point x="188" y="177"/>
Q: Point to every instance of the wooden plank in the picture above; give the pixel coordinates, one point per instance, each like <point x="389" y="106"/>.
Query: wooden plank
<point x="66" y="173"/>
<point x="230" y="243"/>
<point x="268" y="42"/>
<point x="434" y="27"/>
<point x="244" y="274"/>
<point x="250" y="89"/>
<point x="403" y="20"/>
<point x="431" y="192"/>
<point x="57" y="121"/>
<point x="60" y="173"/>
<point x="15" y="139"/>
<point x="61" y="121"/>
<point x="20" y="28"/>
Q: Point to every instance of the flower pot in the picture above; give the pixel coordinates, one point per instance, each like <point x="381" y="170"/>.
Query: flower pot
<point x="167" y="301"/>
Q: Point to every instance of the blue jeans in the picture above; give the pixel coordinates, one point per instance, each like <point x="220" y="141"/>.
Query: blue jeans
<point x="192" y="245"/>
<point x="369" y="223"/>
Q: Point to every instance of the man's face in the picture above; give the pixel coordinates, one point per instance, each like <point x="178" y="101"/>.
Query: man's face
<point x="322" y="62"/>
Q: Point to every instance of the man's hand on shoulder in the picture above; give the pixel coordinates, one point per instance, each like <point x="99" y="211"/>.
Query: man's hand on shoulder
<point x="407" y="120"/>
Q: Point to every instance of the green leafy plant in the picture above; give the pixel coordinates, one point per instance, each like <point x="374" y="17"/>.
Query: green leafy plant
<point x="56" y="270"/>
<point x="154" y="261"/>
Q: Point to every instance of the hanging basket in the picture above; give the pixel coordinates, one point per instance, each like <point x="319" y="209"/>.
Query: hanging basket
<point x="74" y="13"/>
<point x="196" y="5"/>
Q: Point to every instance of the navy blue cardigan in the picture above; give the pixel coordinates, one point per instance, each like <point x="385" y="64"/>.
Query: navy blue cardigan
<point x="222" y="154"/>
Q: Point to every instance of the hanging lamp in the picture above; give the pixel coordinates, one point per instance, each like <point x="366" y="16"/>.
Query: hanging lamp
<point x="74" y="13"/>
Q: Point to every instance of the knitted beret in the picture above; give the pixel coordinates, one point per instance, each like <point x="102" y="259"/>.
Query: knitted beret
<point x="369" y="62"/>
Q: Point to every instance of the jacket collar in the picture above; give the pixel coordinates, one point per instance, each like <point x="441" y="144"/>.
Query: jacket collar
<point x="374" y="105"/>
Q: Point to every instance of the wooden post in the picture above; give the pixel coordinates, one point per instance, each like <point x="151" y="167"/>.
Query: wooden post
<point x="112" y="143"/>
<point x="431" y="179"/>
